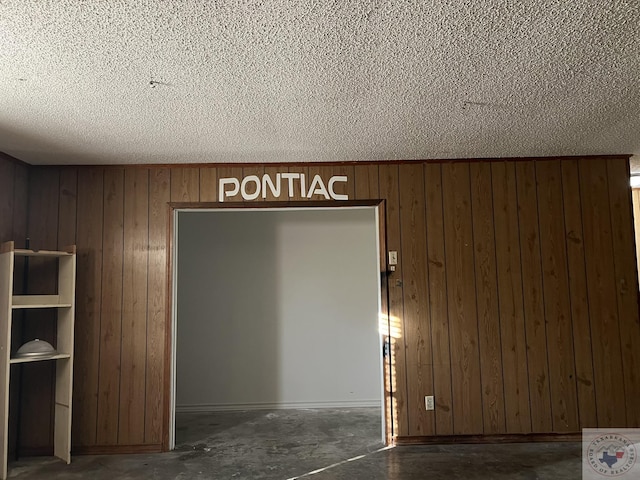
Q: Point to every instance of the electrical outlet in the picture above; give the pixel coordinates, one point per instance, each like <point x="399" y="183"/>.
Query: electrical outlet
<point x="429" y="402"/>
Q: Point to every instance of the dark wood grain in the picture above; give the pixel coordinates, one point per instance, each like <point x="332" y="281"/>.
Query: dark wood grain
<point x="635" y="195"/>
<point x="155" y="386"/>
<point x="557" y="305"/>
<point x="417" y="320"/>
<point x="510" y="302"/>
<point x="626" y="284"/>
<point x="461" y="289"/>
<point x="134" y="307"/>
<point x="483" y="302"/>
<point x="111" y="308"/>
<point x="88" y="305"/>
<point x="365" y="182"/>
<point x="533" y="298"/>
<point x="578" y="297"/>
<point x="7" y="179"/>
<point x="487" y="299"/>
<point x="208" y="178"/>
<point x="438" y="300"/>
<point x="185" y="185"/>
<point x="20" y="204"/>
<point x="602" y="293"/>
<point x="67" y="202"/>
<point x="493" y="439"/>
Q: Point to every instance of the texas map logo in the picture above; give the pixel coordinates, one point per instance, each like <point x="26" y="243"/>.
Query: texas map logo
<point x="611" y="455"/>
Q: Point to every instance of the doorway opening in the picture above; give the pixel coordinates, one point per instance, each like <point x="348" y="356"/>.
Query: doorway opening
<point x="272" y="312"/>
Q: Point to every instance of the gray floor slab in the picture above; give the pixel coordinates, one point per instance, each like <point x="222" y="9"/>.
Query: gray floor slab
<point x="308" y="444"/>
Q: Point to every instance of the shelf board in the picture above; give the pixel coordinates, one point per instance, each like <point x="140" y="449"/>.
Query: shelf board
<point x="65" y="251"/>
<point x="39" y="359"/>
<point x="40" y="253"/>
<point x="50" y="305"/>
<point x="37" y="301"/>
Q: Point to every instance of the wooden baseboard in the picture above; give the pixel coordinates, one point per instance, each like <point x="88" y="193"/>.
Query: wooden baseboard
<point x="115" y="449"/>
<point x="502" y="438"/>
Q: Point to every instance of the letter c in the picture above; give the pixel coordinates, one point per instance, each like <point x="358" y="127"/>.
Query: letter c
<point x="332" y="181"/>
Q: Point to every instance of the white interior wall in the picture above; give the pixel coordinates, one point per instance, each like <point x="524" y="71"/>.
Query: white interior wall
<point x="277" y="309"/>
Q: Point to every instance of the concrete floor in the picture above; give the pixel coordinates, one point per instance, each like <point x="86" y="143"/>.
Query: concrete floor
<point x="290" y="444"/>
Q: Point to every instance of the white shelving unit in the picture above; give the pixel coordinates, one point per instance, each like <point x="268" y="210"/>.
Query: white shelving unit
<point x="64" y="303"/>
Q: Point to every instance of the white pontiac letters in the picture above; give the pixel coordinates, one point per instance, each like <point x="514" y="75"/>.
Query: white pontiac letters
<point x="252" y="186"/>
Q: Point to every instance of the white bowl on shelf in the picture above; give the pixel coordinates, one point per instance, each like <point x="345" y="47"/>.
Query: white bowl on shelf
<point x="35" y="349"/>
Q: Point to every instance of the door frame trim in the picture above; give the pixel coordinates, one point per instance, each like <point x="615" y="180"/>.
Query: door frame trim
<point x="389" y="406"/>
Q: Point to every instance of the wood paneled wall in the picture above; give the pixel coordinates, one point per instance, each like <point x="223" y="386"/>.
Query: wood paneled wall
<point x="515" y="297"/>
<point x="14" y="187"/>
<point x="14" y="184"/>
<point x="636" y="223"/>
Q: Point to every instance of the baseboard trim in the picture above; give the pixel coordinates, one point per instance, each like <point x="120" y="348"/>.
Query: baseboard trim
<point x="204" y="408"/>
<point x="501" y="438"/>
<point x="115" y="449"/>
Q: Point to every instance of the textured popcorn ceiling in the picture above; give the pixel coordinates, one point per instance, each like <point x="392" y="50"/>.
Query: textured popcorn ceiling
<point x="121" y="81"/>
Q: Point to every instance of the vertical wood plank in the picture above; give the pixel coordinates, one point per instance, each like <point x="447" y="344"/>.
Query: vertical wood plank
<point x="16" y="226"/>
<point x="389" y="189"/>
<point x="43" y="212"/>
<point x="438" y="299"/>
<point x="185" y="184"/>
<point x="512" y="329"/>
<point x="487" y="295"/>
<point x="601" y="283"/>
<point x="20" y="202"/>
<point x="578" y="294"/>
<point x="626" y="283"/>
<point x="365" y="182"/>
<point x="208" y="184"/>
<point x="7" y="178"/>
<point x="67" y="207"/>
<point x="159" y="196"/>
<point x="533" y="298"/>
<point x="111" y="313"/>
<point x="88" y="305"/>
<point x="461" y="290"/>
<point x="636" y="223"/>
<point x="38" y="380"/>
<point x="417" y="322"/>
<point x="7" y="440"/>
<point x="564" y="403"/>
<point x="134" y="307"/>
